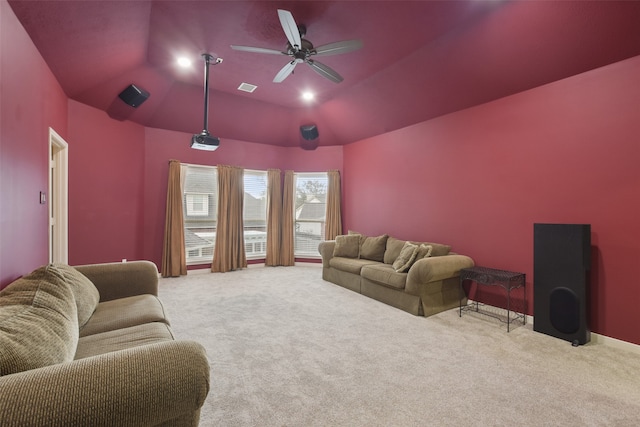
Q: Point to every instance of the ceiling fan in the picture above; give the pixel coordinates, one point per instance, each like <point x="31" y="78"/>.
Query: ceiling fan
<point x="301" y="50"/>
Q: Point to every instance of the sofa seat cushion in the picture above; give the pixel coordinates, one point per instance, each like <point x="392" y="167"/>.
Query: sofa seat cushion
<point x="350" y="265"/>
<point x="384" y="274"/>
<point x="125" y="312"/>
<point x="38" y="322"/>
<point x="121" y="339"/>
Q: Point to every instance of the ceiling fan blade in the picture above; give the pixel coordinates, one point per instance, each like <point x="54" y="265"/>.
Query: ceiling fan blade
<point x="285" y="71"/>
<point x="324" y="71"/>
<point x="338" y="47"/>
<point x="257" y="50"/>
<point x="290" y="28"/>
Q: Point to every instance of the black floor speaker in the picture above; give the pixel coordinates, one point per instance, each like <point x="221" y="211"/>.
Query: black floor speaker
<point x="561" y="267"/>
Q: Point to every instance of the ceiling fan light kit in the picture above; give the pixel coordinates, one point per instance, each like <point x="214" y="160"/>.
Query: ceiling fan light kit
<point x="204" y="140"/>
<point x="301" y="50"/>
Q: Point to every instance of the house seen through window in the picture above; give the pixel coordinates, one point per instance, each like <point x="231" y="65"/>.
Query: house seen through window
<point x="200" y="198"/>
<point x="310" y="211"/>
<point x="200" y="207"/>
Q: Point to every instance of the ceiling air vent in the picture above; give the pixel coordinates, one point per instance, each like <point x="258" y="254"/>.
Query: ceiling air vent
<point x="247" y="87"/>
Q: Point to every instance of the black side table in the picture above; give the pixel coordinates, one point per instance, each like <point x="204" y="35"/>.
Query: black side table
<point x="508" y="280"/>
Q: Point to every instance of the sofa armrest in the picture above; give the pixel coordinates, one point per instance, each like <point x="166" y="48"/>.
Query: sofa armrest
<point x="141" y="386"/>
<point x="432" y="269"/>
<point x="326" y="251"/>
<point x="122" y="279"/>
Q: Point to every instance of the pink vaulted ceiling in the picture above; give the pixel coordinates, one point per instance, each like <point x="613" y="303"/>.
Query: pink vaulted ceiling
<point x="421" y="59"/>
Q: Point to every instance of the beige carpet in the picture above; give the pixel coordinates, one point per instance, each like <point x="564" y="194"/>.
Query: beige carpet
<point x="288" y="349"/>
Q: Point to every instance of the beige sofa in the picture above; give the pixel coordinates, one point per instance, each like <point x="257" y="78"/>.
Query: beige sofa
<point x="421" y="278"/>
<point x="92" y="346"/>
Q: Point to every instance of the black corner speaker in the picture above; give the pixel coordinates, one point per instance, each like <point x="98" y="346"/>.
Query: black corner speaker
<point x="134" y="95"/>
<point x="309" y="132"/>
<point x="561" y="267"/>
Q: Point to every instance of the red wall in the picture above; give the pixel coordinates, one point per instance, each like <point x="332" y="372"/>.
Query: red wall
<point x="106" y="171"/>
<point x="31" y="102"/>
<point x="117" y="184"/>
<point x="118" y="181"/>
<point x="163" y="145"/>
<point x="480" y="178"/>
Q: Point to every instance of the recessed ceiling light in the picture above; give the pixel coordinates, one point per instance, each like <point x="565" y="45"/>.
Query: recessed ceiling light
<point x="308" y="96"/>
<point x="184" y="62"/>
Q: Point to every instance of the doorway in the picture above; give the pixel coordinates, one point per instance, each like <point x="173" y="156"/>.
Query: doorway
<point x="58" y="199"/>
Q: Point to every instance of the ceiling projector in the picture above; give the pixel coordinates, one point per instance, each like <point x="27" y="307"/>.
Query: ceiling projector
<point x="204" y="141"/>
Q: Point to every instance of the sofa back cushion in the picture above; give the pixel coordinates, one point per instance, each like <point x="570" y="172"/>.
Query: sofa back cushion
<point x="38" y="322"/>
<point x="347" y="246"/>
<point x="394" y="246"/>
<point x="84" y="291"/>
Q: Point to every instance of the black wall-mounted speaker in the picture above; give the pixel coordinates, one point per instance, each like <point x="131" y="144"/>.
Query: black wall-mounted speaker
<point x="134" y="95"/>
<point x="561" y="267"/>
<point x="309" y="132"/>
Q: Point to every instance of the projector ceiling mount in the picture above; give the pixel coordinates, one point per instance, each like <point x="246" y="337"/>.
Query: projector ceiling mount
<point x="301" y="50"/>
<point x="204" y="140"/>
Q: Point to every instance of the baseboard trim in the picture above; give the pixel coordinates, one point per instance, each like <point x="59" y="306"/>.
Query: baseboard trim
<point x="615" y="343"/>
<point x="198" y="271"/>
<point x="605" y="340"/>
<point x="208" y="270"/>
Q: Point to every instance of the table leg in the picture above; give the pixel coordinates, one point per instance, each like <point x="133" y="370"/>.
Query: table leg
<point x="508" y="307"/>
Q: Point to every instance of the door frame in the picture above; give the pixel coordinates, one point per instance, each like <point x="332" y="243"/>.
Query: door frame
<point x="58" y="165"/>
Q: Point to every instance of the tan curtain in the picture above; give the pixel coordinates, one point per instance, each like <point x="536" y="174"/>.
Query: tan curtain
<point x="174" y="262"/>
<point x="333" y="220"/>
<point x="229" y="252"/>
<point x="288" y="202"/>
<point x="274" y="217"/>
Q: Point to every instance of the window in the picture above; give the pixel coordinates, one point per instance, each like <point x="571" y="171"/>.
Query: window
<point x="200" y="207"/>
<point x="255" y="214"/>
<point x="200" y="211"/>
<point x="310" y="211"/>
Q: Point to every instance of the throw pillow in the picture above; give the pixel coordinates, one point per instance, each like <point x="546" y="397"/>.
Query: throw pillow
<point x="438" y="248"/>
<point x="373" y="247"/>
<point x="38" y="322"/>
<point x="424" y="251"/>
<point x="84" y="292"/>
<point x="347" y="246"/>
<point x="406" y="257"/>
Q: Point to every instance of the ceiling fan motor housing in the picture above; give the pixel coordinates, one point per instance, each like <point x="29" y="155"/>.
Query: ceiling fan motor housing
<point x="301" y="50"/>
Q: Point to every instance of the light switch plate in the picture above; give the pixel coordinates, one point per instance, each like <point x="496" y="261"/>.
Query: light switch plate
<point x="43" y="197"/>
